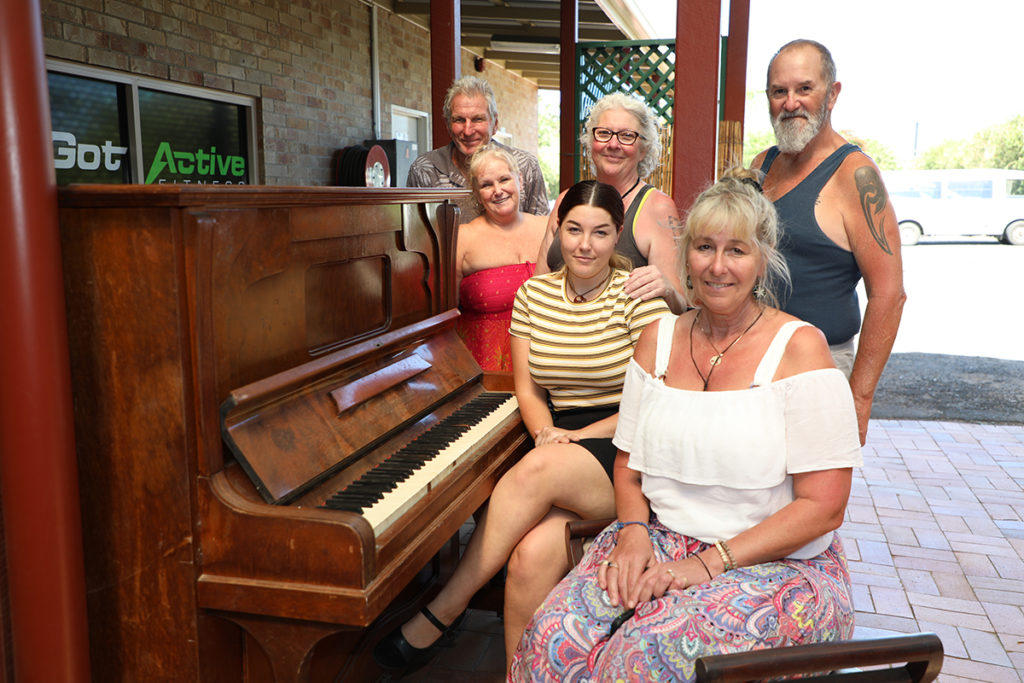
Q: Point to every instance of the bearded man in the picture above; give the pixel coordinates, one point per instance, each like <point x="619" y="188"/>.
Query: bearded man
<point x="836" y="220"/>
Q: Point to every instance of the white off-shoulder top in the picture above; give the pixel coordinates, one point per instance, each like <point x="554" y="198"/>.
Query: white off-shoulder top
<point x="716" y="463"/>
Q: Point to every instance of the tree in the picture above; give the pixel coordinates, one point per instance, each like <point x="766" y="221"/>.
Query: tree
<point x="880" y="153"/>
<point x="998" y="146"/>
<point x="548" y="113"/>
<point x="755" y="142"/>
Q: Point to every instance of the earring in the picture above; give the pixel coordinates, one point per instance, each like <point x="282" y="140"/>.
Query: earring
<point x="689" y="282"/>
<point x="760" y="292"/>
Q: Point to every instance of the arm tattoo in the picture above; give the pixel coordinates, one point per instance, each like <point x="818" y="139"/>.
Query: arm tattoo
<point x="873" y="200"/>
<point x="672" y="224"/>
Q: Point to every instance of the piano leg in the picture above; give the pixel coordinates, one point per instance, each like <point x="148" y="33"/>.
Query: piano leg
<point x="286" y="646"/>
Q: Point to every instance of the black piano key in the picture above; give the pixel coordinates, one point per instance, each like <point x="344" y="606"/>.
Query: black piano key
<point x="345" y="507"/>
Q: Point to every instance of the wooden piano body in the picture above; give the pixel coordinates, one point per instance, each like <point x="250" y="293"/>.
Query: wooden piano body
<point x="182" y="299"/>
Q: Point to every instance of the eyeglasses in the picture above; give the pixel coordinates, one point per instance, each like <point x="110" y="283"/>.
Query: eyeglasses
<point x="626" y="137"/>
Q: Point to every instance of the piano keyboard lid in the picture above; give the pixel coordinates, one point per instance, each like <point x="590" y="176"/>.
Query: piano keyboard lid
<point x="292" y="430"/>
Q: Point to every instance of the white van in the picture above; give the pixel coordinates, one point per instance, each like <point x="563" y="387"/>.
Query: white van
<point x="958" y="202"/>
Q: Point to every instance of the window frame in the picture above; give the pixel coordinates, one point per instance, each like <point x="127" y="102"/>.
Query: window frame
<point x="132" y="83"/>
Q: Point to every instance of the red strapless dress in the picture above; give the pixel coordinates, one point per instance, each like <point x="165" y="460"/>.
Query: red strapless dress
<point x="485" y="299"/>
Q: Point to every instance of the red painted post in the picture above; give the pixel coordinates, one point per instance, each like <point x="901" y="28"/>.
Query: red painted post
<point x="695" y="113"/>
<point x="735" y="95"/>
<point x="445" y="64"/>
<point x="38" y="471"/>
<point x="567" y="129"/>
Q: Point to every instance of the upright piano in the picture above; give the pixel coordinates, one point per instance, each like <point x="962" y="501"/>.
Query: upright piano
<point x="257" y="374"/>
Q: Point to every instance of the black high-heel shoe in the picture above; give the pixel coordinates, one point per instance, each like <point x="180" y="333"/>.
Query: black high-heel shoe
<point x="394" y="651"/>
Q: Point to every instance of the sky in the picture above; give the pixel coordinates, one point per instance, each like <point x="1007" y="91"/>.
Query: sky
<point x="907" y="67"/>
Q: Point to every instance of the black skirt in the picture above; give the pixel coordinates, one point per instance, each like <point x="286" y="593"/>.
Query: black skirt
<point x="577" y="418"/>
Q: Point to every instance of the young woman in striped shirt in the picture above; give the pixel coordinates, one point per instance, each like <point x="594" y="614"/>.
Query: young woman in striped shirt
<point x="573" y="333"/>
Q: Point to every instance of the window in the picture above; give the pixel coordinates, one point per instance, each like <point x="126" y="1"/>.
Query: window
<point x="923" y="189"/>
<point x="503" y="136"/>
<point x="981" y="189"/>
<point x="111" y="127"/>
<point x="1015" y="187"/>
<point x="89" y="136"/>
<point x="410" y="125"/>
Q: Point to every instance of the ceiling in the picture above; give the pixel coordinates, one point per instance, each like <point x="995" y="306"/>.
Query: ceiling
<point x="532" y="21"/>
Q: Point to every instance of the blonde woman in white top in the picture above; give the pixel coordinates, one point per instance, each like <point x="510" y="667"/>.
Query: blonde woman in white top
<point x="736" y="440"/>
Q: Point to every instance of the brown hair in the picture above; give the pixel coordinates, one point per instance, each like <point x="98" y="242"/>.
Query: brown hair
<point x="602" y="196"/>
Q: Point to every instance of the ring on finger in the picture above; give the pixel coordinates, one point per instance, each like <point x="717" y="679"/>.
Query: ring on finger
<point x="669" y="571"/>
<point x="612" y="565"/>
<point x="605" y="563"/>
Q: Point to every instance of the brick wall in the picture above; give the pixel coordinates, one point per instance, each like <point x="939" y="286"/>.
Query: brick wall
<point x="307" y="62"/>
<point x="517" y="101"/>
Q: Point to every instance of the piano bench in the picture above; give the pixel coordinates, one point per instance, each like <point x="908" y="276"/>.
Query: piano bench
<point x="921" y="653"/>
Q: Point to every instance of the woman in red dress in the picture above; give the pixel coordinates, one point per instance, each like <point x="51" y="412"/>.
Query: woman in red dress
<point x="493" y="257"/>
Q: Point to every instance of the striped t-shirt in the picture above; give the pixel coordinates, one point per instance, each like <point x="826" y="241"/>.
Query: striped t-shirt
<point x="579" y="352"/>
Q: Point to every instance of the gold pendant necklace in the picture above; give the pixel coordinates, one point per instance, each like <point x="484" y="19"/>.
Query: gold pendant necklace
<point x="716" y="360"/>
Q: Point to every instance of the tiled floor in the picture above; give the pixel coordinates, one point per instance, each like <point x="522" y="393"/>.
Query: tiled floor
<point x="935" y="540"/>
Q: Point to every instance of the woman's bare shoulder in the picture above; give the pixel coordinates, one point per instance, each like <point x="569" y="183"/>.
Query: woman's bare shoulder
<point x="807" y="350"/>
<point x="647" y="344"/>
<point x="660" y="210"/>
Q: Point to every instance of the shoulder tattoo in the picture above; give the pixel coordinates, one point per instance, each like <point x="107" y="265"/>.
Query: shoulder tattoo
<point x="873" y="200"/>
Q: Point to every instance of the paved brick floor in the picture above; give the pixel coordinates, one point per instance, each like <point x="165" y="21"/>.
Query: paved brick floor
<point x="935" y="540"/>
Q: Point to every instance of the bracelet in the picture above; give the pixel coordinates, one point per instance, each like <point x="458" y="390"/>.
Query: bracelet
<point x="625" y="524"/>
<point x="726" y="553"/>
<point x="703" y="564"/>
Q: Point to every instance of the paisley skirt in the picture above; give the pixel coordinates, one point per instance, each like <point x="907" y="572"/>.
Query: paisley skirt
<point x="771" y="605"/>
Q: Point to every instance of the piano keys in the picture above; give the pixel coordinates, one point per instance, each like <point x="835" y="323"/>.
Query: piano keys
<point x="240" y="355"/>
<point x="386" y="492"/>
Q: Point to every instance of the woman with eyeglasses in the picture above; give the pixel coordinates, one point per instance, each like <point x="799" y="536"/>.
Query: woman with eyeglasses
<point x="622" y="142"/>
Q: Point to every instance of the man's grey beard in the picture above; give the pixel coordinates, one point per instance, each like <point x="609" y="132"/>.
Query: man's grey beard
<point x="791" y="137"/>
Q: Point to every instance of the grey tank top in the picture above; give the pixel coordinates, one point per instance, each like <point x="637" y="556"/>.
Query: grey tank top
<point x="825" y="275"/>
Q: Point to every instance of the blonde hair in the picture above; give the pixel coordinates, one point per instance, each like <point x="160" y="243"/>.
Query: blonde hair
<point x="484" y="153"/>
<point x="736" y="202"/>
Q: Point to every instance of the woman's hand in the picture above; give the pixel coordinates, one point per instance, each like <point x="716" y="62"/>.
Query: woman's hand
<point x="656" y="580"/>
<point x="647" y="282"/>
<point x="626" y="564"/>
<point x="552" y="434"/>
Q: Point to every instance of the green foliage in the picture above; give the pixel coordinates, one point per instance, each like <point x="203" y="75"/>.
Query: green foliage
<point x="880" y="153"/>
<point x="754" y="143"/>
<point x="758" y="141"/>
<point x="547" y="143"/>
<point x="999" y="146"/>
